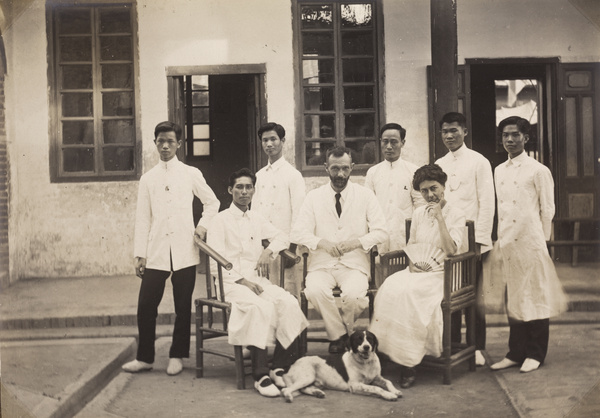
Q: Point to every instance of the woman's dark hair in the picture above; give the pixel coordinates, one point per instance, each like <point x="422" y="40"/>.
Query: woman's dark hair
<point x="432" y="172"/>
<point x="167" y="126"/>
<point x="242" y="172"/>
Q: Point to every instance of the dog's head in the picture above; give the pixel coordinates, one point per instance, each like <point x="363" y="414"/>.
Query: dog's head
<point x="363" y="343"/>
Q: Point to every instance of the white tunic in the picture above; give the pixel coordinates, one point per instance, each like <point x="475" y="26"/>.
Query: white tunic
<point x="361" y="218"/>
<point x="408" y="317"/>
<point x="392" y="184"/>
<point x="280" y="191"/>
<point x="520" y="262"/>
<point x="255" y="320"/>
<point x="470" y="187"/>
<point x="164" y="221"/>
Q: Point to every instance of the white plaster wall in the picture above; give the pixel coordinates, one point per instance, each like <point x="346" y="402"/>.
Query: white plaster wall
<point x="531" y="28"/>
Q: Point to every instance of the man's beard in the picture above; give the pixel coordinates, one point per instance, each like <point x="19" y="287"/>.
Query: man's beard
<point x="339" y="182"/>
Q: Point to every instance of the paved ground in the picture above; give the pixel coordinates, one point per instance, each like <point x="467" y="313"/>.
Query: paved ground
<point x="63" y="342"/>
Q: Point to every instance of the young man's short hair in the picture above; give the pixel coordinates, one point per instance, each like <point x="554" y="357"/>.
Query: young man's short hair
<point x="452" y="117"/>
<point x="395" y="126"/>
<point x="167" y="126"/>
<point x="243" y="172"/>
<point x="272" y="126"/>
<point x="523" y="125"/>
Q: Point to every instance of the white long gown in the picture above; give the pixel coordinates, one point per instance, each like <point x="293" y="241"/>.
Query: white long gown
<point x="408" y="318"/>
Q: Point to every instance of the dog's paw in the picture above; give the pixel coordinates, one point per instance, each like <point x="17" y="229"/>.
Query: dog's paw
<point x="319" y="394"/>
<point x="398" y="393"/>
<point x="389" y="396"/>
<point x="287" y="395"/>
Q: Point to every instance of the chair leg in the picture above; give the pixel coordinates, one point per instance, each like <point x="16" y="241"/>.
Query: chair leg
<point x="447" y="374"/>
<point x="471" y="337"/>
<point x="239" y="367"/>
<point x="199" y="342"/>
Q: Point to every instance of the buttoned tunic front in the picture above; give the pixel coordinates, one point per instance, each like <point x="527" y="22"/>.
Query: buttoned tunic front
<point x="470" y="187"/>
<point x="520" y="262"/>
<point x="361" y="218"/>
<point x="164" y="222"/>
<point x="280" y="191"/>
<point x="255" y="320"/>
<point x="392" y="184"/>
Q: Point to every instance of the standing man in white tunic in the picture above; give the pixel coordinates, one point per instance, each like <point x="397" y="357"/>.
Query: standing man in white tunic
<point x="523" y="273"/>
<point x="164" y="245"/>
<point x="339" y="222"/>
<point x="470" y="187"/>
<point x="262" y="314"/>
<point x="391" y="181"/>
<point x="280" y="191"/>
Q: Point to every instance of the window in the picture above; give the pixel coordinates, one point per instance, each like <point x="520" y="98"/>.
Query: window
<point x="339" y="101"/>
<point x="94" y="134"/>
<point x="197" y="116"/>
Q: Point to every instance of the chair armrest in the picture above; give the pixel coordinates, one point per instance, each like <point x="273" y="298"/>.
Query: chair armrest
<point x="204" y="247"/>
<point x="287" y="254"/>
<point x="303" y="249"/>
<point x="461" y="257"/>
<point x="390" y="255"/>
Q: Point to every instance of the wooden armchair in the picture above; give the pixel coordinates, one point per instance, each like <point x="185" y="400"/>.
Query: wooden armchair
<point x="216" y="322"/>
<point x="304" y="338"/>
<point x="459" y="294"/>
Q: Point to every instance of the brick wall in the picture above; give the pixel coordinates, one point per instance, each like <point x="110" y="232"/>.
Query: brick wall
<point x="4" y="192"/>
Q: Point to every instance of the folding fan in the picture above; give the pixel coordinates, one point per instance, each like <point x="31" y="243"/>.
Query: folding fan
<point x="425" y="256"/>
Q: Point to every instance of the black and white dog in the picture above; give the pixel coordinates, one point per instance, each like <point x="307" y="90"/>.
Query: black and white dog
<point x="359" y="371"/>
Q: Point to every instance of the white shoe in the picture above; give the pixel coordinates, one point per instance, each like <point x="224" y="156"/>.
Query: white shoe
<point x="266" y="387"/>
<point x="529" y="365"/>
<point x="276" y="377"/>
<point x="175" y="366"/>
<point x="479" y="359"/>
<point x="503" y="364"/>
<point x="136" y="366"/>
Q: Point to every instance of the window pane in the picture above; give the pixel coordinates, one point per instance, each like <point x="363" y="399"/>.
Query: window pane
<point x="571" y="140"/>
<point x="360" y="97"/>
<point x="363" y="152"/>
<point x="357" y="70"/>
<point x="201" y="131"/>
<point x="118" y="158"/>
<point x="587" y="135"/>
<point x="117" y="104"/>
<point x="78" y="132"/>
<point x="318" y="98"/>
<point x="359" y="125"/>
<point x="319" y="126"/>
<point x="357" y="43"/>
<point x="118" y="131"/>
<point x="114" y="21"/>
<point x="200" y="98"/>
<point x="317" y="43"/>
<point x="356" y="15"/>
<point x="75" y="49"/>
<point x="200" y="115"/>
<point x="76" y="76"/>
<point x="317" y="17"/>
<point x="117" y="76"/>
<point x="74" y="21"/>
<point x="115" y="48"/>
<point x="77" y="104"/>
<point x="315" y="152"/>
<point x="201" y="148"/>
<point x="200" y="82"/>
<point x="78" y="159"/>
<point x="317" y="71"/>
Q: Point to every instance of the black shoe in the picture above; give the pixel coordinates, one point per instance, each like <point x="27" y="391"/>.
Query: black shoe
<point x="339" y="346"/>
<point x="408" y="376"/>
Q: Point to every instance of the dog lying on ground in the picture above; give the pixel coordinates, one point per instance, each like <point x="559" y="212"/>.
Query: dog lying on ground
<point x="359" y="371"/>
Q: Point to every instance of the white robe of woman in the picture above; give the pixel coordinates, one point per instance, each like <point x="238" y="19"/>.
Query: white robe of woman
<point x="408" y="318"/>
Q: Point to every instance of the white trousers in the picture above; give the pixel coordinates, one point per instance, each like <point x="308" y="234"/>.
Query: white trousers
<point x="353" y="284"/>
<point x="259" y="320"/>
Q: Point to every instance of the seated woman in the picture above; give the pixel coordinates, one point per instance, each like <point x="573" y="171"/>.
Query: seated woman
<point x="408" y="318"/>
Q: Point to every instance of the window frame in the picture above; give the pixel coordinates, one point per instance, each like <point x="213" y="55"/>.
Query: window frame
<point x="57" y="175"/>
<point x="378" y="83"/>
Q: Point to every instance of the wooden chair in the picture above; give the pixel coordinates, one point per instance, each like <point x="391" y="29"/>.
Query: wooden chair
<point x="217" y="326"/>
<point x="371" y="291"/>
<point x="459" y="294"/>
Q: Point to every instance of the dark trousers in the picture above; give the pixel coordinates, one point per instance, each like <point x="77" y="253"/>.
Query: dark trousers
<point x="283" y="358"/>
<point x="528" y="340"/>
<point x="480" y="324"/>
<point x="151" y="293"/>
